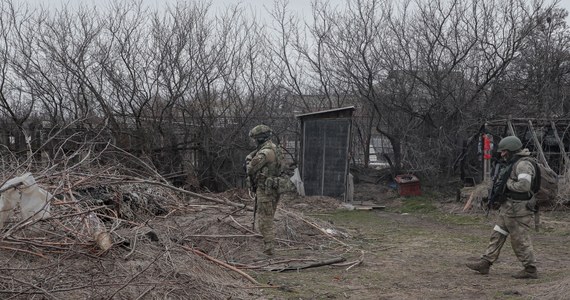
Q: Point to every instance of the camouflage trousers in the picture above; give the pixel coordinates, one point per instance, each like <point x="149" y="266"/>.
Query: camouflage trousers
<point x="514" y="220"/>
<point x="266" y="207"/>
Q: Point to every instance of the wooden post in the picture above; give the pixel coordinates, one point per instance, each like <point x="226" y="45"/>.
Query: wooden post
<point x="537" y="143"/>
<point x="511" y="128"/>
<point x="565" y="160"/>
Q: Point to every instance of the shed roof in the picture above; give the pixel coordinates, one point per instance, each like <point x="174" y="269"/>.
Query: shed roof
<point x="327" y="113"/>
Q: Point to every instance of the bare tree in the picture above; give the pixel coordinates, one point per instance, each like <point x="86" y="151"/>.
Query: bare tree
<point x="450" y="54"/>
<point x="541" y="71"/>
<point x="185" y="84"/>
<point x="17" y="98"/>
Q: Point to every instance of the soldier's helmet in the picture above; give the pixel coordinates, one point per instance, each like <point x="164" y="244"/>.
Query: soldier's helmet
<point x="511" y="143"/>
<point x="260" y="132"/>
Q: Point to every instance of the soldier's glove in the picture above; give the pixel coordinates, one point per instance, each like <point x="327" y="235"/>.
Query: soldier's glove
<point x="246" y="164"/>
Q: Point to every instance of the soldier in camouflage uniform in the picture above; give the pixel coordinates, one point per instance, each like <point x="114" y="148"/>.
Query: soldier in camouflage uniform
<point x="263" y="168"/>
<point x="515" y="212"/>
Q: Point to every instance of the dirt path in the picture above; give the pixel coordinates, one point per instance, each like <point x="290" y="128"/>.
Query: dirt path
<point x="421" y="255"/>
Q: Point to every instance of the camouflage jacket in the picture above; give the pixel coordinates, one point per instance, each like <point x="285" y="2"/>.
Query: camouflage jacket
<point x="519" y="186"/>
<point x="263" y="163"/>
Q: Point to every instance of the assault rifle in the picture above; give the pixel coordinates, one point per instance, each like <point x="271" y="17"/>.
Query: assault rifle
<point x="253" y="189"/>
<point x="500" y="176"/>
<point x="252" y="186"/>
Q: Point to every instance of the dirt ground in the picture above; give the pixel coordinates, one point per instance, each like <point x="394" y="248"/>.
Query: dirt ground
<point x="416" y="248"/>
<point x="404" y="248"/>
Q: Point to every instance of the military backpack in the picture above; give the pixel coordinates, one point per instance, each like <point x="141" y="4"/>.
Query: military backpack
<point x="544" y="183"/>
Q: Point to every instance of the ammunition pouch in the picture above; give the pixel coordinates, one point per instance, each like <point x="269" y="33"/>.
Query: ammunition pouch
<point x="499" y="200"/>
<point x="271" y="183"/>
<point x="280" y="185"/>
<point x="260" y="181"/>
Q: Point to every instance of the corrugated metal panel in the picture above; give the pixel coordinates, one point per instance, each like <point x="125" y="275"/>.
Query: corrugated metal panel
<point x="326" y="144"/>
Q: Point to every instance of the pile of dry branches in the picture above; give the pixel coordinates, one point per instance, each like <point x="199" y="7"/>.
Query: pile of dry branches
<point x="113" y="234"/>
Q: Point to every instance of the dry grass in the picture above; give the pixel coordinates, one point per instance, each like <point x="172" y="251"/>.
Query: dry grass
<point x="563" y="198"/>
<point x="476" y="197"/>
<point x="556" y="291"/>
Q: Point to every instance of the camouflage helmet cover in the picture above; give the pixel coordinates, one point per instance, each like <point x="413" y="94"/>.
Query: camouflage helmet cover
<point x="260" y="131"/>
<point x="511" y="143"/>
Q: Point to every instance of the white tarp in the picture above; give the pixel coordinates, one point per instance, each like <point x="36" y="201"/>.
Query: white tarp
<point x="23" y="191"/>
<point x="296" y="179"/>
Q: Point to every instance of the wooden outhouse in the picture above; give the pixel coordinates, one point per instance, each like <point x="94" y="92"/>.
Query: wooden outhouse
<point x="324" y="152"/>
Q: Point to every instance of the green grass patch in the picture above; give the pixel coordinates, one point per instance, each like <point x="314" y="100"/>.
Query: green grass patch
<point x="461" y="219"/>
<point x="418" y="204"/>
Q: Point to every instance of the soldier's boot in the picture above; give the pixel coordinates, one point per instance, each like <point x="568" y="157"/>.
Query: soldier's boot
<point x="529" y="272"/>
<point x="482" y="266"/>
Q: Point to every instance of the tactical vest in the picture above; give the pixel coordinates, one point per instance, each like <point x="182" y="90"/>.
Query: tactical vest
<point x="521" y="196"/>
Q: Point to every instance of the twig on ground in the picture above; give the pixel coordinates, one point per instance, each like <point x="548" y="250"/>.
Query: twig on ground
<point x="316" y="227"/>
<point x="145" y="292"/>
<point x="134" y="244"/>
<point x="354" y="265"/>
<point x="46" y="293"/>
<point x="222" y="235"/>
<point x="136" y="275"/>
<point x="23" y="250"/>
<point x="221" y="263"/>
<point x="243" y="227"/>
<point x="271" y="263"/>
<point x="311" y="265"/>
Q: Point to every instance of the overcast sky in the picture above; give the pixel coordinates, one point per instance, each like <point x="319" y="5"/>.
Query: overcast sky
<point x="566" y="4"/>
<point x="303" y="7"/>
<point x="297" y="5"/>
